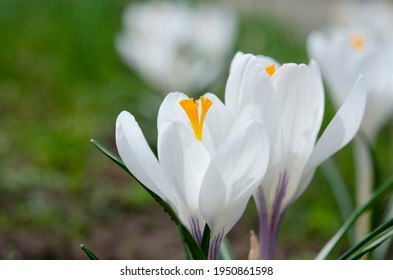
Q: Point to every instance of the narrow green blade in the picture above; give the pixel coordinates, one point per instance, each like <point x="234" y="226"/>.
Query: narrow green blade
<point x="192" y="248"/>
<point x="116" y="160"/>
<point x="338" y="187"/>
<point x="89" y="253"/>
<point x="376" y="196"/>
<point x="382" y="251"/>
<point x="370" y="242"/>
<point x="109" y="154"/>
<point x="340" y="192"/>
<point x="205" y="240"/>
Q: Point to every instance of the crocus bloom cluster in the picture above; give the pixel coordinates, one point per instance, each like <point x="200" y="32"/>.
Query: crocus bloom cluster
<point x="176" y="46"/>
<point x="209" y="164"/>
<point x="343" y="55"/>
<point x="291" y="100"/>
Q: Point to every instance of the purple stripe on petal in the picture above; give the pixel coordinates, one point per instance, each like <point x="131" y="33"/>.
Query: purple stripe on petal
<point x="218" y="244"/>
<point x="212" y="253"/>
<point x="192" y="227"/>
<point x="198" y="231"/>
<point x="268" y="228"/>
<point x="215" y="246"/>
<point x="281" y="189"/>
<point x="195" y="229"/>
<point x="264" y="236"/>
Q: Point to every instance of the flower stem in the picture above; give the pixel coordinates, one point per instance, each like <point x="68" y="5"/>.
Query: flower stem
<point x="364" y="184"/>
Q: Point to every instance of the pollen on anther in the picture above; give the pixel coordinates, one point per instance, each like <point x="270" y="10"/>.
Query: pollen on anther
<point x="357" y="42"/>
<point x="191" y="109"/>
<point x="271" y="69"/>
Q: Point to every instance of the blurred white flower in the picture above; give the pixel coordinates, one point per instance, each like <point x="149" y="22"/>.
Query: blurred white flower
<point x="291" y="100"/>
<point x="360" y="43"/>
<point x="209" y="163"/>
<point x="374" y="16"/>
<point x="176" y="46"/>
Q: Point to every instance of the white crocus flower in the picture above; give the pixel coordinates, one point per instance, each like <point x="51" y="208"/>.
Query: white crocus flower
<point x="176" y="46"/>
<point x="291" y="100"/>
<point x="209" y="163"/>
<point x="361" y="43"/>
<point x="374" y="16"/>
<point x="343" y="56"/>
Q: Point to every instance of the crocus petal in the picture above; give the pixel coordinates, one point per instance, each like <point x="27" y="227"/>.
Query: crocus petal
<point x="340" y="130"/>
<point x="265" y="61"/>
<point x="235" y="61"/>
<point x="249" y="84"/>
<point x="233" y="175"/>
<point x="323" y="49"/>
<point x="213" y="198"/>
<point x="316" y="43"/>
<point x="302" y="104"/>
<point x="170" y="109"/>
<point x="218" y="120"/>
<point x="184" y="159"/>
<point x="235" y="80"/>
<point x="314" y="67"/>
<point x="377" y="113"/>
<point x="138" y="157"/>
<point x="244" y="83"/>
<point x="380" y="87"/>
<point x="269" y="106"/>
<point x="250" y="114"/>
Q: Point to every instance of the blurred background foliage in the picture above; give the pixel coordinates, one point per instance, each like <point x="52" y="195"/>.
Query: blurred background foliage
<point x="62" y="83"/>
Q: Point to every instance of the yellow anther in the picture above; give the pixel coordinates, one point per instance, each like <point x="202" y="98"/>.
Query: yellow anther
<point x="191" y="108"/>
<point x="271" y="69"/>
<point x="357" y="42"/>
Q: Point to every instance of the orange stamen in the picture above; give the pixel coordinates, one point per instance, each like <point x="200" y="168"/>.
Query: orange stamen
<point x="191" y="108"/>
<point x="271" y="69"/>
<point x="357" y="42"/>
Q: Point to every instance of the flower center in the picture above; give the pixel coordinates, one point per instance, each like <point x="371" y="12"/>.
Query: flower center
<point x="357" y="42"/>
<point x="271" y="69"/>
<point x="191" y="108"/>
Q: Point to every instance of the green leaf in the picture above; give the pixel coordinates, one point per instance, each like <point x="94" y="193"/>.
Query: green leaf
<point x="339" y="190"/>
<point x="114" y="158"/>
<point x="381" y="252"/>
<point x="205" y="240"/>
<point x="192" y="246"/>
<point x="194" y="250"/>
<point x="375" y="197"/>
<point x="226" y="252"/>
<point x="185" y="246"/>
<point x="370" y="242"/>
<point x="89" y="253"/>
<point x="338" y="187"/>
<point x="118" y="161"/>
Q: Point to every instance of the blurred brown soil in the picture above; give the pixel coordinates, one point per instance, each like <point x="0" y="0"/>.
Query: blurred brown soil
<point x="146" y="233"/>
